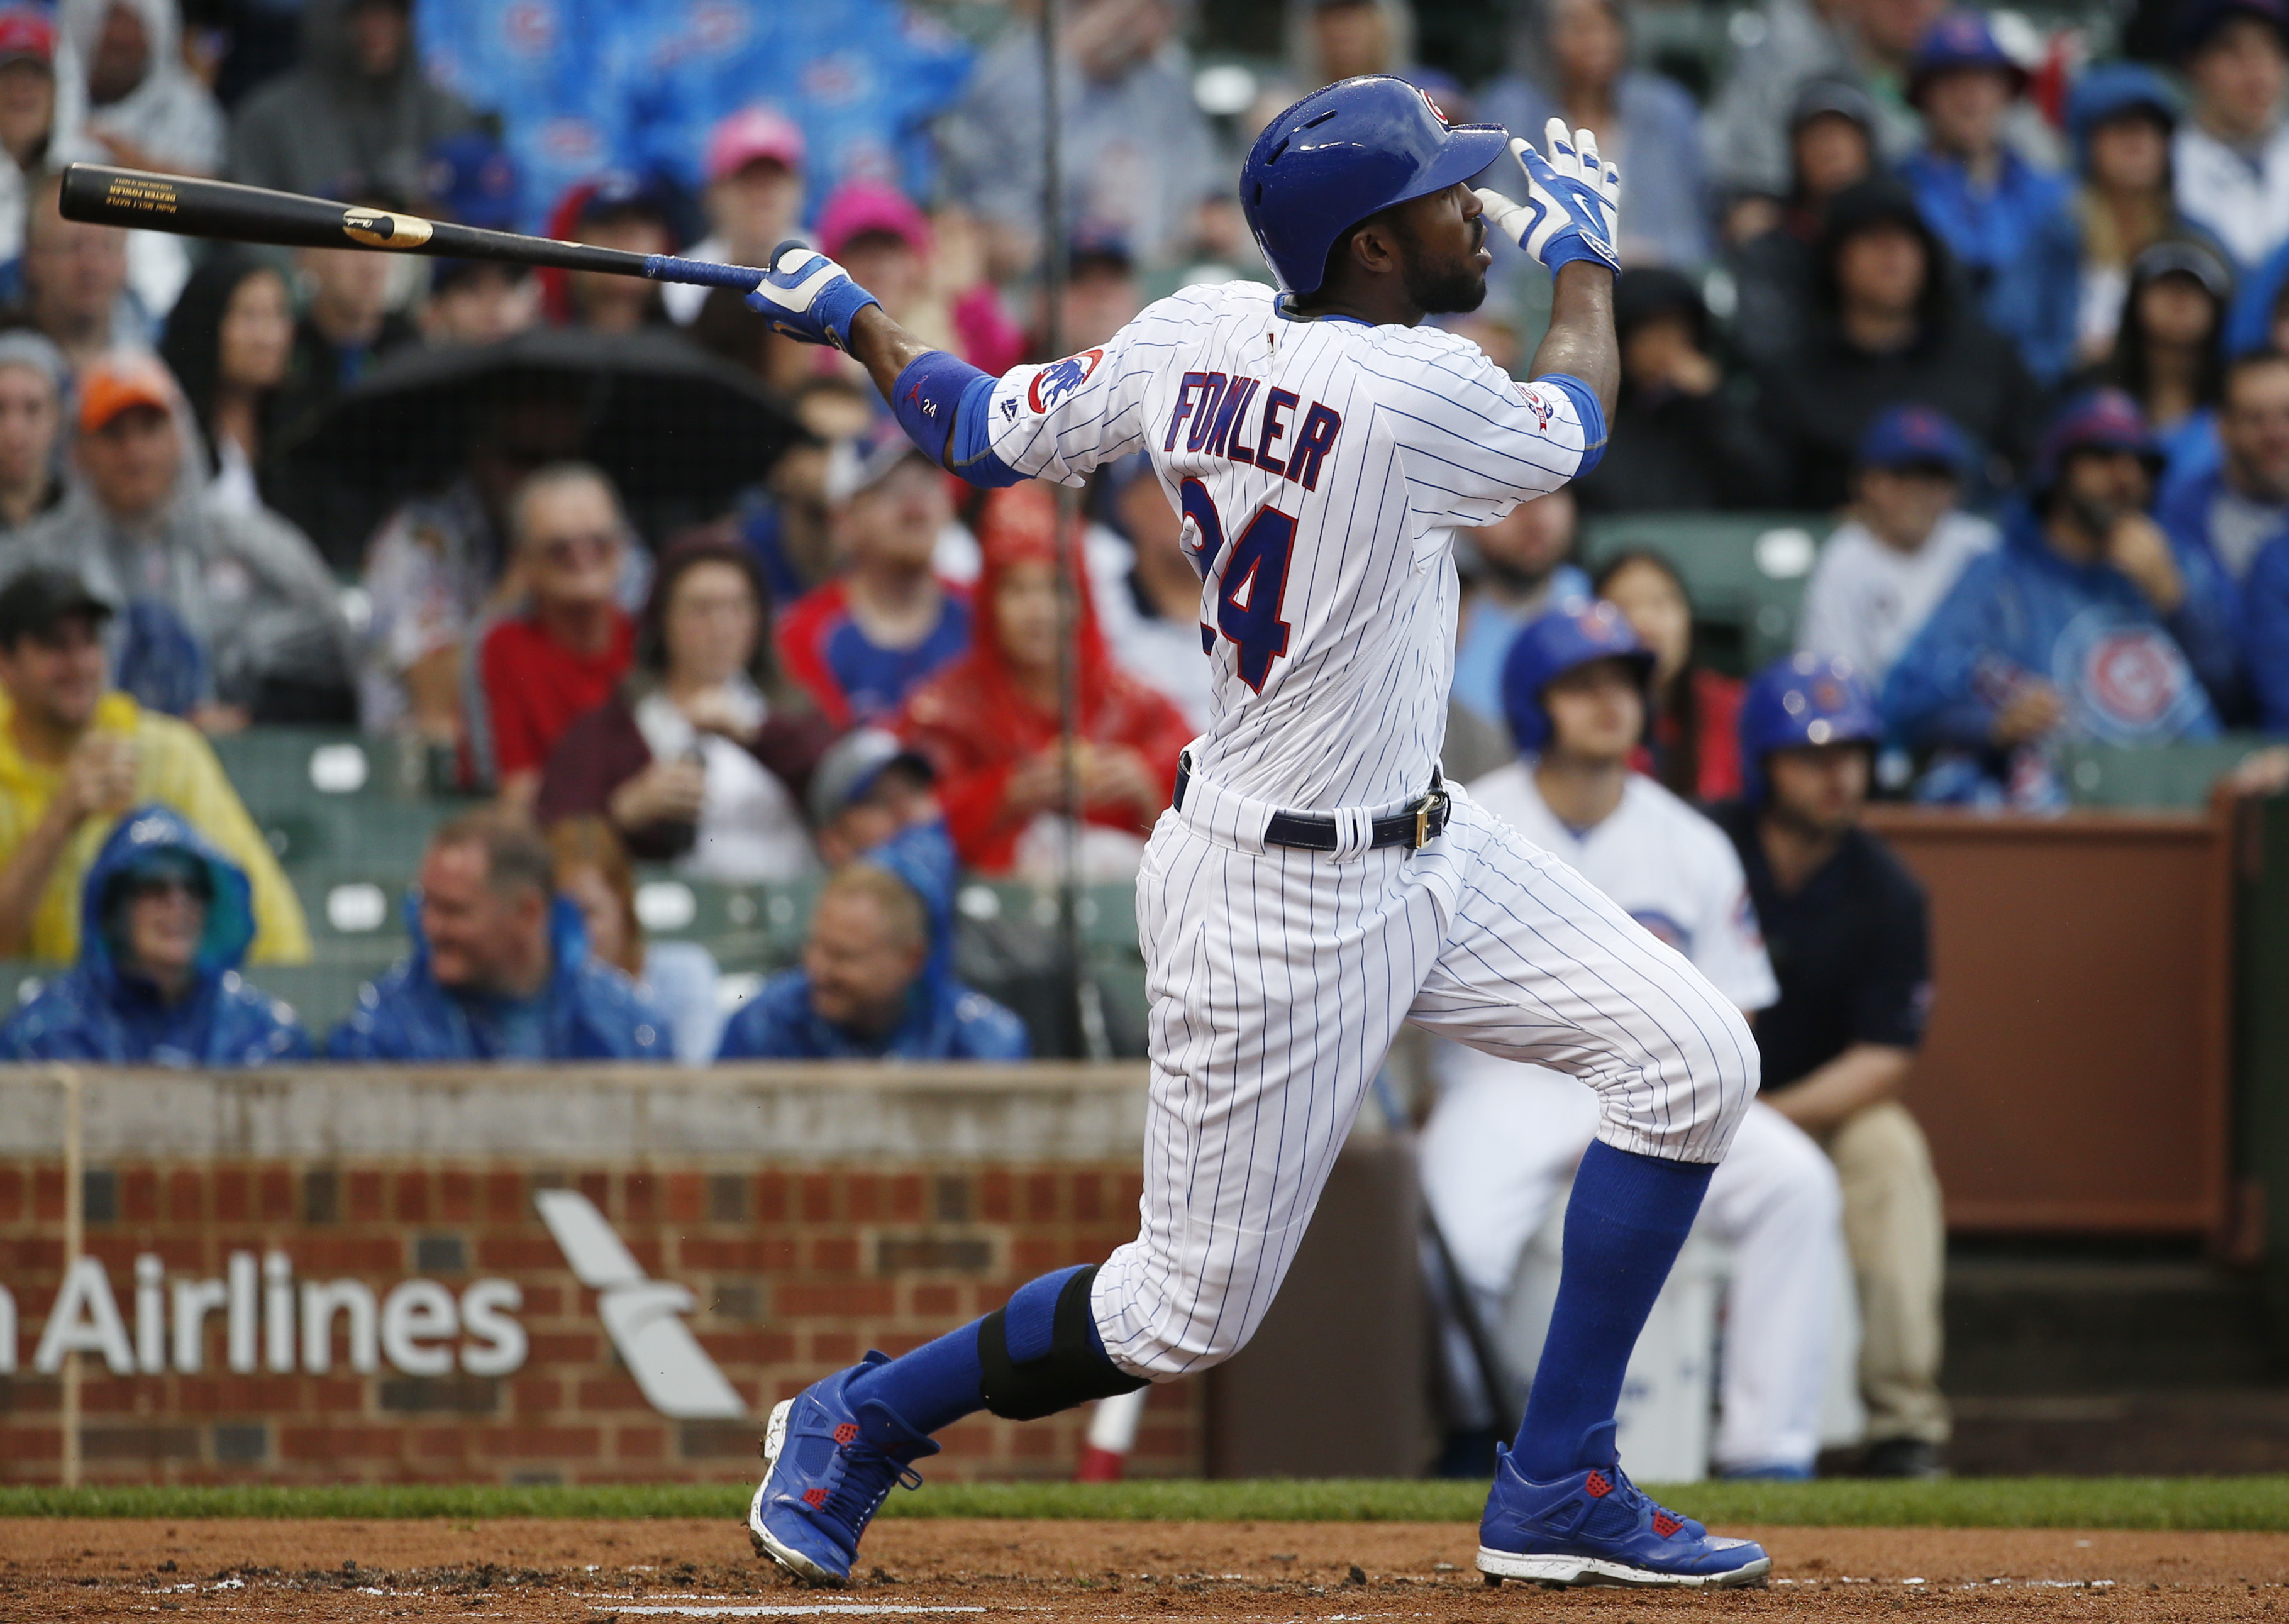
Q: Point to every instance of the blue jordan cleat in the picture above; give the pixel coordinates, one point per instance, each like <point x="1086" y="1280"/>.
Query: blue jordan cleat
<point x="826" y="1469"/>
<point x="1594" y="1527"/>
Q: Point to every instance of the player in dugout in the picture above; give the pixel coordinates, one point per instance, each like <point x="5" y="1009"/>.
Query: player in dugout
<point x="1847" y="930"/>
<point x="1504" y="1139"/>
<point x="1315" y="882"/>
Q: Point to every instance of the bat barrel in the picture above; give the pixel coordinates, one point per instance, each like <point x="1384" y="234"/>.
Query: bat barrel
<point x="188" y="206"/>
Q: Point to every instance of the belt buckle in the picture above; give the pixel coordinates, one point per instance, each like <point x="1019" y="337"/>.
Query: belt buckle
<point x="1423" y="810"/>
<point x="1436" y="802"/>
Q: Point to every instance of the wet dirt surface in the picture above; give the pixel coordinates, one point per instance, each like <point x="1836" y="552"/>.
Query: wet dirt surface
<point x="1021" y="1572"/>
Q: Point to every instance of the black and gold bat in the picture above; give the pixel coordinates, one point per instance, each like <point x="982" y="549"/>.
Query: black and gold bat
<point x="140" y="201"/>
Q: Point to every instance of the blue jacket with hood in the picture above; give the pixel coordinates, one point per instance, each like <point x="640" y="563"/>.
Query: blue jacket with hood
<point x="2126" y="674"/>
<point x="98" y="1011"/>
<point x="944" y="1019"/>
<point x="588" y="1011"/>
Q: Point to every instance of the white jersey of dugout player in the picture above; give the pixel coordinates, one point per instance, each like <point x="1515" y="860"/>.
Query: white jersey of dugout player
<point x="1504" y="1138"/>
<point x="1321" y="466"/>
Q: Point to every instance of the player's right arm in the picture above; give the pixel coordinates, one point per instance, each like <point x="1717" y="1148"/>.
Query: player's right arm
<point x="1474" y="442"/>
<point x="1055" y="422"/>
<point x="1573" y="200"/>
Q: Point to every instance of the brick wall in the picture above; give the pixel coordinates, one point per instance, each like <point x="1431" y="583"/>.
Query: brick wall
<point x="797" y="1264"/>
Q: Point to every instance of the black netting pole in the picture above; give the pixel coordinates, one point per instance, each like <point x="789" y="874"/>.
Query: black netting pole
<point x="1082" y="997"/>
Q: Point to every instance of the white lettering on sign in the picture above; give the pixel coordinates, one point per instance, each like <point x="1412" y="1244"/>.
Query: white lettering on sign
<point x="420" y="1327"/>
<point x="272" y="1321"/>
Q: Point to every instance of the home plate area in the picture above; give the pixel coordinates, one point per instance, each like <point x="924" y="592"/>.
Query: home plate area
<point x="928" y="1569"/>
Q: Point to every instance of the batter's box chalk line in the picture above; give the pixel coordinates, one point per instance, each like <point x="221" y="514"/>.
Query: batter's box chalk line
<point x="810" y="1610"/>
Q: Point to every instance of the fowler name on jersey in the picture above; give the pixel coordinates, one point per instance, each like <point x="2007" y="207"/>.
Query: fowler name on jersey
<point x="1321" y="466"/>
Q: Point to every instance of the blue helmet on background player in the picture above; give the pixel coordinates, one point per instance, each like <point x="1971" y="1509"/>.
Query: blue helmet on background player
<point x="1797" y="702"/>
<point x="1340" y="154"/>
<point x="1572" y="634"/>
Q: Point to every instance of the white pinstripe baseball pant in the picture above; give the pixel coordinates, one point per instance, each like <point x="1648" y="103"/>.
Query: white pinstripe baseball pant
<point x="1278" y="978"/>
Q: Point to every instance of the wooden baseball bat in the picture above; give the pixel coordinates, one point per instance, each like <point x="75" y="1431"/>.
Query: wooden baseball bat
<point x="188" y="207"/>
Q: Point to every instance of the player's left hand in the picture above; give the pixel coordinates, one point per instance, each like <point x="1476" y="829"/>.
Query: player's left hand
<point x="808" y="297"/>
<point x="1572" y="199"/>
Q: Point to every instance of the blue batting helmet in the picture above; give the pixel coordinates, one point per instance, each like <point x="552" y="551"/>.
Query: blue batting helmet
<point x="1803" y="700"/>
<point x="1574" y="633"/>
<point x="1340" y="154"/>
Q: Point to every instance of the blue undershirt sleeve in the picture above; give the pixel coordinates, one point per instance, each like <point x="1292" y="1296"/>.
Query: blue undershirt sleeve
<point x="942" y="402"/>
<point x="1592" y="416"/>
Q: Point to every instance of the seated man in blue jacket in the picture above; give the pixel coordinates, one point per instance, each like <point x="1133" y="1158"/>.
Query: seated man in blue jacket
<point x="870" y="988"/>
<point x="2088" y="623"/>
<point x="501" y="968"/>
<point x="166" y="920"/>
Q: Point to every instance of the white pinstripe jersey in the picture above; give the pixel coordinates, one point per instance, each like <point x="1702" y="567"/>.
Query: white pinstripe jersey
<point x="1321" y="466"/>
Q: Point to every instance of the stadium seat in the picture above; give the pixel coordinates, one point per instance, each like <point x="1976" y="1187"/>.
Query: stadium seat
<point x="1744" y="572"/>
<point x="320" y="796"/>
<point x="2152" y="778"/>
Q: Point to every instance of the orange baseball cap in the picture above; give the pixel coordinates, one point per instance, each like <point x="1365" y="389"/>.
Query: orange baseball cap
<point x="119" y="380"/>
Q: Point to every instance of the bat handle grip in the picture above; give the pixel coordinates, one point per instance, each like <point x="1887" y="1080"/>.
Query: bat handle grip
<point x="668" y="267"/>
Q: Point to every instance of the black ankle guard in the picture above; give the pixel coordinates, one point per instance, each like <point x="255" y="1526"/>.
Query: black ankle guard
<point x="1071" y="1371"/>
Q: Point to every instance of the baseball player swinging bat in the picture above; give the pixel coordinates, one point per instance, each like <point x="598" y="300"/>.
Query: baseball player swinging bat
<point x="1315" y="882"/>
<point x="140" y="201"/>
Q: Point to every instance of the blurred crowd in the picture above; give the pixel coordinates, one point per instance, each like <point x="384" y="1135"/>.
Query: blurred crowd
<point x="1999" y="312"/>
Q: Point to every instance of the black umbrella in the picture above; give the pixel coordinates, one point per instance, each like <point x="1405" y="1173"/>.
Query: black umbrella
<point x="680" y="432"/>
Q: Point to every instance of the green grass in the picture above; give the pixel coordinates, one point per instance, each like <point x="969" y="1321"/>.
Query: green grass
<point x="2258" y="1503"/>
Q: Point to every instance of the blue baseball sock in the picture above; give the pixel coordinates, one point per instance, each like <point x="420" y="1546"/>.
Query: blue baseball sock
<point x="1628" y="1216"/>
<point x="941" y="1382"/>
<point x="933" y="1387"/>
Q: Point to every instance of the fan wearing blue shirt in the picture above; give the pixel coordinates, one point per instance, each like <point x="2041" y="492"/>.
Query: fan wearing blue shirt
<point x="166" y="920"/>
<point x="870" y="990"/>
<point x="500" y="968"/>
<point x="2088" y="622"/>
<point x="2008" y="223"/>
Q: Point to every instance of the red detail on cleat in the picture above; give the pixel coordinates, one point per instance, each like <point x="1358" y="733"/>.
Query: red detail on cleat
<point x="1597" y="1485"/>
<point x="814" y="1498"/>
<point x="1665" y="1525"/>
<point x="847" y="1434"/>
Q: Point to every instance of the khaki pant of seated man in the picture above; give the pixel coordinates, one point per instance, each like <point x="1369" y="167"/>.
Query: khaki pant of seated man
<point x="1897" y="1237"/>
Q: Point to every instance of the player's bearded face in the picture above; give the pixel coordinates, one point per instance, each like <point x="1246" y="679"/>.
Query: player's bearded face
<point x="1439" y="267"/>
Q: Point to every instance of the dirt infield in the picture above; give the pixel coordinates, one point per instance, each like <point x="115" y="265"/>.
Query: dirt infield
<point x="591" y="1573"/>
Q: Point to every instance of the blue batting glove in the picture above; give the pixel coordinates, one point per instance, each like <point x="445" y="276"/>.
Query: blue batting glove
<point x="1572" y="199"/>
<point x="808" y="297"/>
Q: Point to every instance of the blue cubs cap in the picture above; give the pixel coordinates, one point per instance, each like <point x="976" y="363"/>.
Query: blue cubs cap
<point x="1915" y="437"/>
<point x="2112" y="90"/>
<point x="1343" y="153"/>
<point x="1802" y="702"/>
<point x="2100" y="420"/>
<point x="1549" y="645"/>
<point x="1959" y="41"/>
<point x="471" y="180"/>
